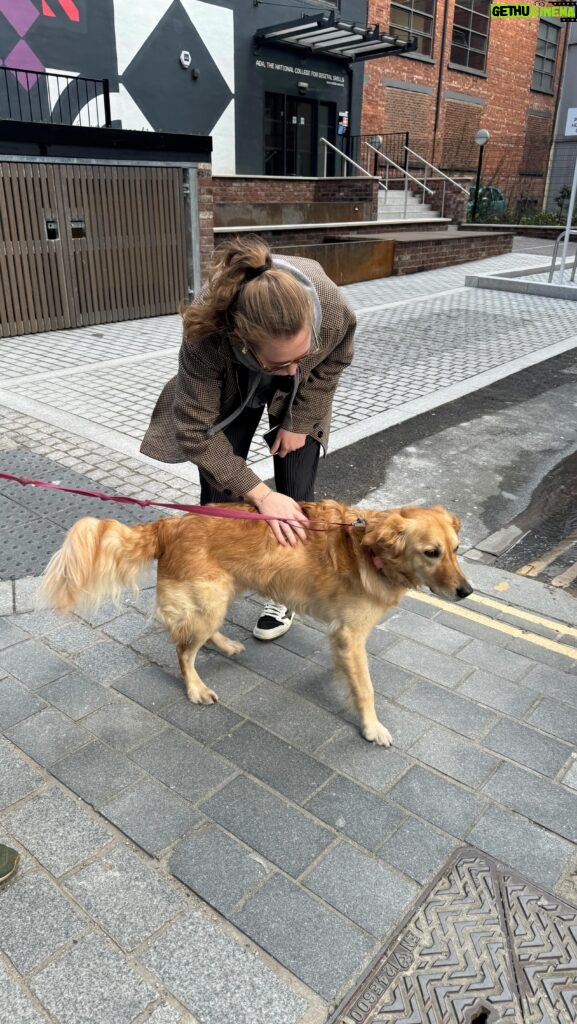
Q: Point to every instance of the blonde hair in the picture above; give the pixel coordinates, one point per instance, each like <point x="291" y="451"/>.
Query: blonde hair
<point x="247" y="298"/>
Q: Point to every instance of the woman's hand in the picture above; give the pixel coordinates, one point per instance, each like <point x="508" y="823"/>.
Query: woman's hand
<point x="287" y="441"/>
<point x="270" y="503"/>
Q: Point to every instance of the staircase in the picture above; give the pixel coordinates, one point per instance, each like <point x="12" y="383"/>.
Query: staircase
<point x="392" y="206"/>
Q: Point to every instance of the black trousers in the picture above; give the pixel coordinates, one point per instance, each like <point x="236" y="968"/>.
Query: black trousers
<point x="294" y="475"/>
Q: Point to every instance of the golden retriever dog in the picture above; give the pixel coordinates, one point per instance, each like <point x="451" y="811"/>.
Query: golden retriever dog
<point x="348" y="576"/>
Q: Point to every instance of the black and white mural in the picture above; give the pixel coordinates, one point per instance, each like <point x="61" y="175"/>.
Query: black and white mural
<point x="189" y="66"/>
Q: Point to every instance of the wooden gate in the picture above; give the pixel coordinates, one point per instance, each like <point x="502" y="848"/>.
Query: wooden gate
<point x="89" y="244"/>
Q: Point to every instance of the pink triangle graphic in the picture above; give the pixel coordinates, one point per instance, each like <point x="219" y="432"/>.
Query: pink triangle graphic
<point x="23" y="57"/>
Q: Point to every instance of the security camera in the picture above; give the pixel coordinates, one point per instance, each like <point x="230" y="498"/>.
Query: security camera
<point x="302" y="86"/>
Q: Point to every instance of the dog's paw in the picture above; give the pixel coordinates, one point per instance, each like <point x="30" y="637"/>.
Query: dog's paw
<point x="202" y="695"/>
<point x="234" y="647"/>
<point x="378" y="734"/>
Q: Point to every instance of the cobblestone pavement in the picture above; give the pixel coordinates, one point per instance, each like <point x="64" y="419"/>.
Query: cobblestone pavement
<point x="422" y="339"/>
<point x="245" y="862"/>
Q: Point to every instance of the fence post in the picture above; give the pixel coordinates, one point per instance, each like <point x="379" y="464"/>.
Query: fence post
<point x="106" y="95"/>
<point x="192" y="229"/>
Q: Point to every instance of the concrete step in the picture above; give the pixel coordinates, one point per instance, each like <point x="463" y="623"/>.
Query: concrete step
<point x="414" y="213"/>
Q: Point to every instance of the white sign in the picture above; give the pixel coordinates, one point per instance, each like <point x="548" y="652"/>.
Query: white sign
<point x="571" y="126"/>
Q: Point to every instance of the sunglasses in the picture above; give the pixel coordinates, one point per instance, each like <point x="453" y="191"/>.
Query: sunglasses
<point x="313" y="347"/>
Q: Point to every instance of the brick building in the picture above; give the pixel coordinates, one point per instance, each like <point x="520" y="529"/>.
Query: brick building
<point x="470" y="71"/>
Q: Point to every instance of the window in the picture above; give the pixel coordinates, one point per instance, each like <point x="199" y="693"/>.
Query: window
<point x="470" y="34"/>
<point x="545" y="57"/>
<point x="414" y="19"/>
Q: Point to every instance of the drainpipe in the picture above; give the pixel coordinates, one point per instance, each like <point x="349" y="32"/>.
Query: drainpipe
<point x="440" y="79"/>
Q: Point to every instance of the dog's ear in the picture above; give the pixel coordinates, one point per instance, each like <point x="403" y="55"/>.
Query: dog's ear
<point x="387" y="531"/>
<point x="454" y="520"/>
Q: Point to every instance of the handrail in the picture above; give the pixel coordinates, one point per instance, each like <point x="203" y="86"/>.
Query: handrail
<point x="436" y="169"/>
<point x="401" y="169"/>
<point x="561" y="236"/>
<point x="350" y="161"/>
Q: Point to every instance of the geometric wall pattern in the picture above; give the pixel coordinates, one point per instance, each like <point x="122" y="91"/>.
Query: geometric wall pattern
<point x="143" y="48"/>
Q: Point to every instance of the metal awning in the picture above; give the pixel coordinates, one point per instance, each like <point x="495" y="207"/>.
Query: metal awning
<point x="327" y="34"/>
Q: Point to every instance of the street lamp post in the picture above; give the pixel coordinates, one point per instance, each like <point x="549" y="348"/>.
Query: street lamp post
<point x="481" y="138"/>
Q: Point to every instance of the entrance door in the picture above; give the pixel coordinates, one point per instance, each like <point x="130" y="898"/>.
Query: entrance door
<point x="290" y="135"/>
<point x="300" y="118"/>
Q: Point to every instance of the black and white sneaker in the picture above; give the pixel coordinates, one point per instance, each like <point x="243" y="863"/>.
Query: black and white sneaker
<point x="275" y="621"/>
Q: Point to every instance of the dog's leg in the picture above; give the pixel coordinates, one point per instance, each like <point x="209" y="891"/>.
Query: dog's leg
<point x="192" y="613"/>
<point x="225" y="645"/>
<point x="349" y="653"/>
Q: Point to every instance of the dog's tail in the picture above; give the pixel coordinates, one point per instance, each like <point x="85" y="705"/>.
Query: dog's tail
<point x="99" y="557"/>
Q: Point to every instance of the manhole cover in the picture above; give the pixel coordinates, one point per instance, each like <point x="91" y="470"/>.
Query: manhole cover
<point x="483" y="945"/>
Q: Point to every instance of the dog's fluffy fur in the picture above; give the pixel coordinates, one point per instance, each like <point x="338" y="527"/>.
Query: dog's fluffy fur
<point x="346" y="576"/>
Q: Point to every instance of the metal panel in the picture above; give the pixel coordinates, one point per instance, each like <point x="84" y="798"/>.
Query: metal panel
<point x="87" y="243"/>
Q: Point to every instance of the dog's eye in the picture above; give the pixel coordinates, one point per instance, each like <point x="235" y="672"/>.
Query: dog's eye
<point x="433" y="553"/>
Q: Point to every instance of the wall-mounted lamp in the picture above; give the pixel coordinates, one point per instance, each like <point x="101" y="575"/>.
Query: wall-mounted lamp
<point x="185" y="59"/>
<point x="302" y="86"/>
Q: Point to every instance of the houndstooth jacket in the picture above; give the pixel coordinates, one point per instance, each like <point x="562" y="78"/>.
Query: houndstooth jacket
<point x="206" y="389"/>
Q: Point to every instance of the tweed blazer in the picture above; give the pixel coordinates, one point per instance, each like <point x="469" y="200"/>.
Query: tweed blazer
<point x="206" y="389"/>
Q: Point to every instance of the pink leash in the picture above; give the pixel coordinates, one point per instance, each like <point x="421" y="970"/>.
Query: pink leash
<point x="199" y="510"/>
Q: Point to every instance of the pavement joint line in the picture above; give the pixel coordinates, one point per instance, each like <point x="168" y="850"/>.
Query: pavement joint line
<point x="119" y="443"/>
<point x="501" y="627"/>
<point x="103" y="364"/>
<point x="404" y="302"/>
<point x="521" y="614"/>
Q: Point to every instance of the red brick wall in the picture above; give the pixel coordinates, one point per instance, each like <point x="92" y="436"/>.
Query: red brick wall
<point x="506" y="90"/>
<point x="297" y="190"/>
<point x="205" y="216"/>
<point x="412" y="257"/>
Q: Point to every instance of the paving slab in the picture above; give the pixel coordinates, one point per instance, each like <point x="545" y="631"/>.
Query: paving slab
<point x="36" y="920"/>
<point x="92" y="982"/>
<point x="293" y="773"/>
<point x="314" y="942"/>
<point x="57" y="830"/>
<point x="217" y="867"/>
<point x="124" y="896"/>
<point x="274" y="828"/>
<point x="483" y="724"/>
<point x="16" y="1003"/>
<point x="233" y="986"/>
<point x="362" y="888"/>
<point x="152" y="815"/>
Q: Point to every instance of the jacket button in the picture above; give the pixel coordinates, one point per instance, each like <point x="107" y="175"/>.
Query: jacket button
<point x="319" y="433"/>
<point x="227" y="491"/>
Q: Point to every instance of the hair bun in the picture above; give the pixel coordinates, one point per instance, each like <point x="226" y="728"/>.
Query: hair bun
<point x="252" y="272"/>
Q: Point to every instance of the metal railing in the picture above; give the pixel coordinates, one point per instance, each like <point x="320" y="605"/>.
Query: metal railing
<point x="43" y="96"/>
<point x="391" y="143"/>
<point x="348" y="160"/>
<point x="404" y="173"/>
<point x="440" y="173"/>
<point x="564" y="235"/>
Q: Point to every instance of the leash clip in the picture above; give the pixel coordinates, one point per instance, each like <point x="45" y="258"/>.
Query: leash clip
<point x="359" y="523"/>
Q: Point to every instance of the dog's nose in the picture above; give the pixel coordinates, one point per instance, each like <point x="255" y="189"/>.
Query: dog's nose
<point x="464" y="590"/>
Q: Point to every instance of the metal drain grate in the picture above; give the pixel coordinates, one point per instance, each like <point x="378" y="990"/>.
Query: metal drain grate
<point x="483" y="945"/>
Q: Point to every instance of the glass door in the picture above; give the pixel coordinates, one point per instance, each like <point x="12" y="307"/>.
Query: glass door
<point x="300" y="132"/>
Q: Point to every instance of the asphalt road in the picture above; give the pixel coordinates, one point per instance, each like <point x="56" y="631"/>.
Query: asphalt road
<point x="502" y="457"/>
